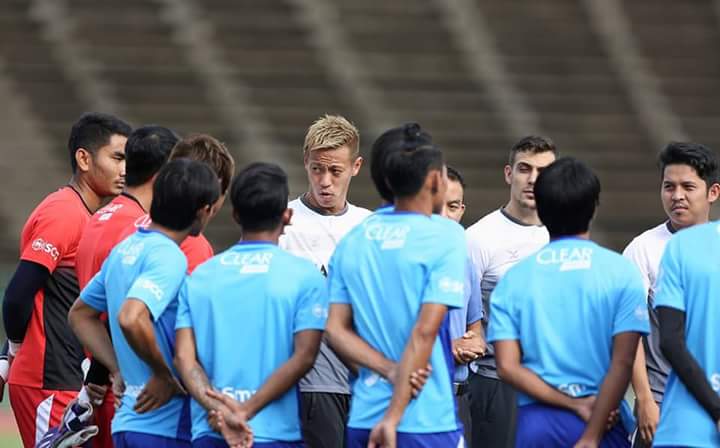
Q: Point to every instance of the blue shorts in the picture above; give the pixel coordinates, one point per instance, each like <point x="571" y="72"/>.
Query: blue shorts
<point x="129" y="439"/>
<point x="539" y="425"/>
<point x="358" y="438"/>
<point x="214" y="442"/>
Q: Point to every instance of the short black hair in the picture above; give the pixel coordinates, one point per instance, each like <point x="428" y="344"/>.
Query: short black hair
<point x="146" y="151"/>
<point x="92" y="131"/>
<point x="259" y="196"/>
<point x="409" y="135"/>
<point x="454" y="175"/>
<point x="701" y="158"/>
<point x="182" y="187"/>
<point x="567" y="192"/>
<point x="535" y="144"/>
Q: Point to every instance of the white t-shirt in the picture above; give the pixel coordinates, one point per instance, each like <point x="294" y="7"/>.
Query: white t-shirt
<point x="646" y="251"/>
<point x="314" y="236"/>
<point x="495" y="243"/>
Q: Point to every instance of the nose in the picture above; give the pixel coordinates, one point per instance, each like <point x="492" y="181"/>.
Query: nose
<point x="678" y="194"/>
<point x="325" y="179"/>
<point x="533" y="176"/>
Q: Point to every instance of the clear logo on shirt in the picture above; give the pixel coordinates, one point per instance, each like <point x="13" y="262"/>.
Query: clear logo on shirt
<point x="40" y="245"/>
<point x="253" y="263"/>
<point x="240" y="395"/>
<point x="391" y="236"/>
<point x="568" y="259"/>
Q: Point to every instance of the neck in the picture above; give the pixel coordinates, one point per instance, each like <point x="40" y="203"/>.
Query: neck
<point x="92" y="200"/>
<point x="310" y="201"/>
<point x="143" y="194"/>
<point x="677" y="227"/>
<point x="272" y="236"/>
<point x="582" y="236"/>
<point x="176" y="235"/>
<point x="416" y="204"/>
<point x="523" y="214"/>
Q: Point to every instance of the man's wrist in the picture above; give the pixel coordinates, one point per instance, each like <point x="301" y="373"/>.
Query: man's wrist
<point x="13" y="348"/>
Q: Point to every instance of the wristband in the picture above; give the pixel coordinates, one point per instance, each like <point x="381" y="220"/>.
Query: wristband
<point x="13" y="348"/>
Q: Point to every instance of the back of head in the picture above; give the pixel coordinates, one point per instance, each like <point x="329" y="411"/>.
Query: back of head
<point x="259" y="195"/>
<point x="181" y="189"/>
<point x="407" y="136"/>
<point x="567" y="193"/>
<point x="92" y="131"/>
<point x="699" y="157"/>
<point x="146" y="151"/>
<point x="208" y="149"/>
<point x="534" y="144"/>
<point x="332" y="132"/>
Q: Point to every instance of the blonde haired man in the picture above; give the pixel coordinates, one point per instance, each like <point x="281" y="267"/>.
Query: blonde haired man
<point x="321" y="217"/>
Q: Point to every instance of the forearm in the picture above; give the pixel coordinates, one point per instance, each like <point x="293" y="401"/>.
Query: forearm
<point x="525" y="380"/>
<point x="140" y="335"/>
<point x="282" y="379"/>
<point x="196" y="382"/>
<point x="19" y="298"/>
<point x="352" y="348"/>
<point x="92" y="334"/>
<point x="611" y="392"/>
<point x="640" y="382"/>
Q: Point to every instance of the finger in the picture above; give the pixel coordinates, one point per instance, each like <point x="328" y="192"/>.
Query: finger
<point x="222" y="398"/>
<point x="142" y="399"/>
<point x="146" y="405"/>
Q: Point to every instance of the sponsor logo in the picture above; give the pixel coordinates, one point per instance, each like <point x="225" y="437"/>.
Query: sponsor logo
<point x="715" y="382"/>
<point x="574" y="390"/>
<point x="449" y="285"/>
<point x="130" y="252"/>
<point x="107" y="212"/>
<point x="152" y="287"/>
<point x="133" y="390"/>
<point x="252" y="263"/>
<point x="143" y="222"/>
<point x="514" y="253"/>
<point x="40" y="245"/>
<point x="391" y="236"/>
<point x="319" y="311"/>
<point x="240" y="395"/>
<point x="374" y="378"/>
<point x="568" y="259"/>
<point x="641" y="313"/>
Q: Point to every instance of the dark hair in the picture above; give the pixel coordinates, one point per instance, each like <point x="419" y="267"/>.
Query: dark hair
<point x="208" y="149"/>
<point x="535" y="144"/>
<point x="92" y="131"/>
<point x="182" y="187"/>
<point x="699" y="157"/>
<point x="146" y="151"/>
<point x="259" y="195"/>
<point x="454" y="175"/>
<point x="407" y="136"/>
<point x="566" y="194"/>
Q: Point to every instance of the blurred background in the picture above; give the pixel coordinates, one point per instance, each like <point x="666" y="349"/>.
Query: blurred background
<point x="610" y="81"/>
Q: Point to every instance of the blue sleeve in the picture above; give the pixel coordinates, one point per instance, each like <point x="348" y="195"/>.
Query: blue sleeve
<point x="94" y="292"/>
<point x="336" y="284"/>
<point x="446" y="282"/>
<point x="632" y="312"/>
<point x="474" y="296"/>
<point x="311" y="308"/>
<point x="504" y="318"/>
<point x="158" y="283"/>
<point x="183" y="318"/>
<point x="669" y="287"/>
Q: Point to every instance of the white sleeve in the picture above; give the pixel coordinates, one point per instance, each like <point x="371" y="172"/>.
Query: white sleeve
<point x="635" y="253"/>
<point x="479" y="256"/>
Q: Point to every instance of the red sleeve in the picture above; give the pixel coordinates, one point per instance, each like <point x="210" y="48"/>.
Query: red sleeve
<point x="53" y="234"/>
<point x="197" y="250"/>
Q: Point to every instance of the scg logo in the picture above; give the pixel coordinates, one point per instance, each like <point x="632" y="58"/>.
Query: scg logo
<point x="715" y="382"/>
<point x="152" y="287"/>
<point x="40" y="245"/>
<point x="240" y="395"/>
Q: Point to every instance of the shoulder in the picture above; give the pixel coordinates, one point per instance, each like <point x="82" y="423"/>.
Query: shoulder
<point x="485" y="227"/>
<point x="358" y="213"/>
<point x="63" y="205"/>
<point x="648" y="238"/>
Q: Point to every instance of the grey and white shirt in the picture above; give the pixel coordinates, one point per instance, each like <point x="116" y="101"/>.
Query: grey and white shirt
<point x="646" y="251"/>
<point x="495" y="244"/>
<point x="314" y="236"/>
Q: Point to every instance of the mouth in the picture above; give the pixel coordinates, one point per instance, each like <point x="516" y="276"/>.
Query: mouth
<point x="679" y="208"/>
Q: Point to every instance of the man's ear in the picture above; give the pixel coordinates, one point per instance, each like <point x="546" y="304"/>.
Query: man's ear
<point x="357" y="164"/>
<point x="83" y="158"/>
<point x="508" y="174"/>
<point x="287" y="216"/>
<point x="434" y="179"/>
<point x="713" y="193"/>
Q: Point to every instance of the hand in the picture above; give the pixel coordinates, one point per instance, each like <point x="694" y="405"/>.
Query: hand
<point x="468" y="348"/>
<point x="583" y="407"/>
<point x="383" y="435"/>
<point x="4" y="373"/>
<point x="612" y="419"/>
<point x="118" y="387"/>
<point x="417" y="378"/>
<point x="230" y="419"/>
<point x="96" y="393"/>
<point x="157" y="391"/>
<point x="648" y="415"/>
<point x="586" y="443"/>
